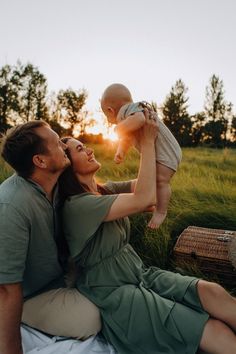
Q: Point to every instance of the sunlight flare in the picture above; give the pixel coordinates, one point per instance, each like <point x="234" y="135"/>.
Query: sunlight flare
<point x="101" y="127"/>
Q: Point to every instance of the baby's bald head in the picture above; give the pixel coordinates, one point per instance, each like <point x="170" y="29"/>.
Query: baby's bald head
<point x="115" y="96"/>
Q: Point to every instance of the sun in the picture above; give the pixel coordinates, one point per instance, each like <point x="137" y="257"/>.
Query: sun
<point x="110" y="134"/>
<point x="101" y="127"/>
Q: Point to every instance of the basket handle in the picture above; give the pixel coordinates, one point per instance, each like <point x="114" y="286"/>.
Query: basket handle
<point x="223" y="238"/>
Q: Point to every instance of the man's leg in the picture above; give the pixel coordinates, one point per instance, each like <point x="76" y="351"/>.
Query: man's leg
<point x="62" y="312"/>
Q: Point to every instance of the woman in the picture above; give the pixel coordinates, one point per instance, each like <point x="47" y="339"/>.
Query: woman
<point x="143" y="310"/>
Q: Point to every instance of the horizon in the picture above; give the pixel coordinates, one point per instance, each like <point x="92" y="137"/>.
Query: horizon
<point x="145" y="44"/>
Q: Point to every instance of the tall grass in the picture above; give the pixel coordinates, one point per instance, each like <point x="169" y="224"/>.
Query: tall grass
<point x="5" y="170"/>
<point x="203" y="194"/>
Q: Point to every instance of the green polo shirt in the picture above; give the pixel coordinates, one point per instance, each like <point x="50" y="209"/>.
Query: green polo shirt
<point x="28" y="251"/>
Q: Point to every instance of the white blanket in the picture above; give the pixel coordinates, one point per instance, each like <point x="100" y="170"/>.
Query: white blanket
<point x="35" y="342"/>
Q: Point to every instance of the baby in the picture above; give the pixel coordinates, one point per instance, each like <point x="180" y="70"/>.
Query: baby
<point x="119" y="108"/>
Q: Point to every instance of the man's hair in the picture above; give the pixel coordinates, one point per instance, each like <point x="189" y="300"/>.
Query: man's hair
<point x="20" y="144"/>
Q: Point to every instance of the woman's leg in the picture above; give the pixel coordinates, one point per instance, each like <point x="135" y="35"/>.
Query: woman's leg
<point x="217" y="302"/>
<point x="217" y="338"/>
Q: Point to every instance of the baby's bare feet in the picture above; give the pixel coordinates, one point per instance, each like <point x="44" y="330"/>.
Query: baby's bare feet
<point x="156" y="220"/>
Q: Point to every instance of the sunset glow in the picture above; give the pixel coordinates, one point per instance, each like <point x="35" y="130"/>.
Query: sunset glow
<point x="101" y="127"/>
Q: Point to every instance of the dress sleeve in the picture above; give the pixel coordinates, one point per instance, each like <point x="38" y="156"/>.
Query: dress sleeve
<point x="118" y="187"/>
<point x="14" y="241"/>
<point x="82" y="216"/>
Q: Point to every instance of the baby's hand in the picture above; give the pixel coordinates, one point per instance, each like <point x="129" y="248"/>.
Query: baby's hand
<point x="119" y="158"/>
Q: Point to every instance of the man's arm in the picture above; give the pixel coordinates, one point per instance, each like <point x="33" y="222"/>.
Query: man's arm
<point x="11" y="303"/>
<point x="130" y="124"/>
<point x="14" y="240"/>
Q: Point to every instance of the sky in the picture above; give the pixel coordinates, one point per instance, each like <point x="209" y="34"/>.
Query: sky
<point x="145" y="44"/>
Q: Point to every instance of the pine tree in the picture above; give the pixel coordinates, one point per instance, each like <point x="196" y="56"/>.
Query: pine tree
<point x="198" y="127"/>
<point x="175" y="114"/>
<point x="218" y="113"/>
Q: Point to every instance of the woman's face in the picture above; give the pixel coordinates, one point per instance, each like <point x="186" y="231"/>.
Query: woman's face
<point x="82" y="158"/>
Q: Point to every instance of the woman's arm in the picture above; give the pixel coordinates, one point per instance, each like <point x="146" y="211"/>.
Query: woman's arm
<point x="132" y="187"/>
<point x="144" y="194"/>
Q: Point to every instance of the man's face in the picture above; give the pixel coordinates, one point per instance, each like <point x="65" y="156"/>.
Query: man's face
<point x="55" y="157"/>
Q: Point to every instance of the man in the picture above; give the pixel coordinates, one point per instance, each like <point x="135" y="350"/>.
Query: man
<point x="32" y="287"/>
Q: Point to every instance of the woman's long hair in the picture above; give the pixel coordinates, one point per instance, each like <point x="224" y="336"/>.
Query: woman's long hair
<point x="69" y="184"/>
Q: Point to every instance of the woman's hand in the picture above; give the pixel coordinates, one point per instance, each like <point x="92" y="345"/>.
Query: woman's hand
<point x="144" y="193"/>
<point x="150" y="129"/>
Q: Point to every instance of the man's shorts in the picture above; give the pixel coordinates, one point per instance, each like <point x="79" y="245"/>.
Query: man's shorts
<point x="62" y="312"/>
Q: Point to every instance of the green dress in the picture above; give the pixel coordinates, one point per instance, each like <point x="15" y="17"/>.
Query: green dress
<point x="144" y="310"/>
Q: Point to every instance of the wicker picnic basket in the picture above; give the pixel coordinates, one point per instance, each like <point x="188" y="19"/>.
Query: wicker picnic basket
<point x="213" y="251"/>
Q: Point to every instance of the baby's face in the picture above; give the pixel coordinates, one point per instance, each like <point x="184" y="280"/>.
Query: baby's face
<point x="109" y="113"/>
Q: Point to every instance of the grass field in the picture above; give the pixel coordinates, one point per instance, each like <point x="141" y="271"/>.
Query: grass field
<point x="203" y="194"/>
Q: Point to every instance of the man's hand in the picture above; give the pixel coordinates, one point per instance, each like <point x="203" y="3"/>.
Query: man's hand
<point x="11" y="302"/>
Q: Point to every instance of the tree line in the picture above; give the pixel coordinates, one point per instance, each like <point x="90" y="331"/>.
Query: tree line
<point x="24" y="96"/>
<point x="214" y="126"/>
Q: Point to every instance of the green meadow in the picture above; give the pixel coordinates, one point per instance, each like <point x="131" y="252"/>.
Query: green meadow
<point x="203" y="194"/>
